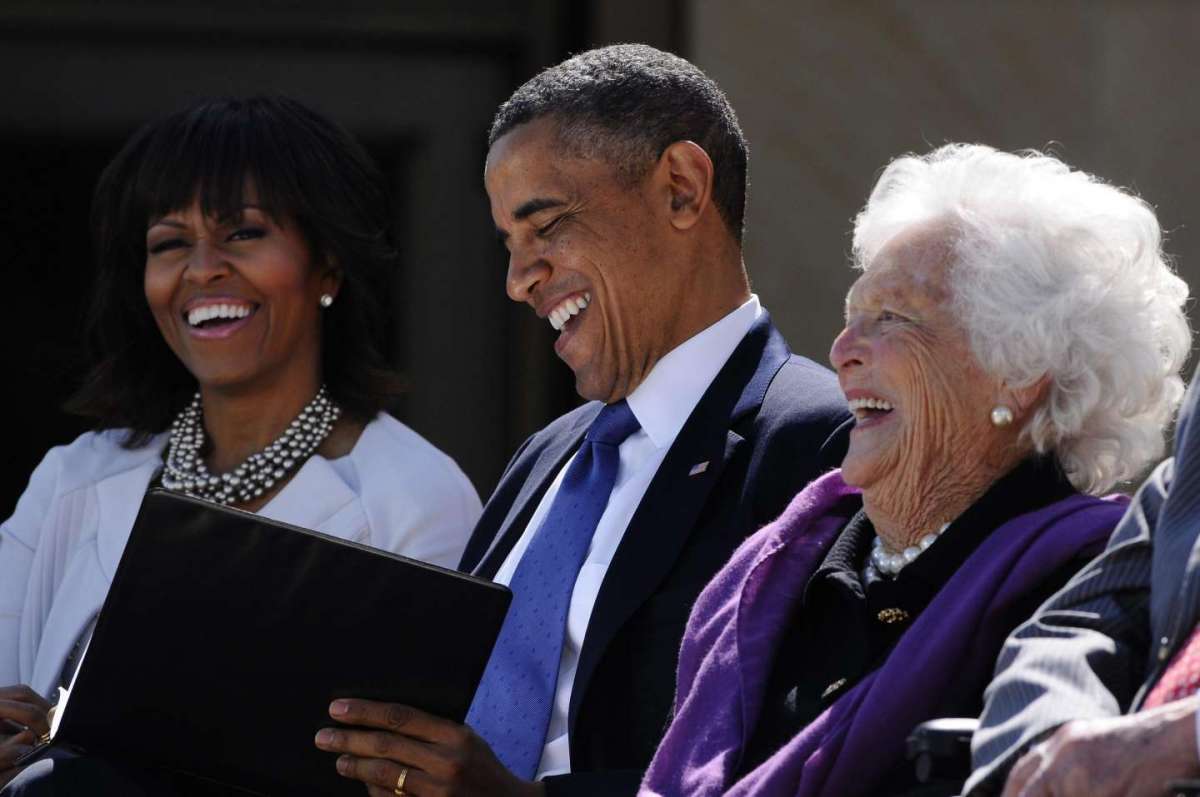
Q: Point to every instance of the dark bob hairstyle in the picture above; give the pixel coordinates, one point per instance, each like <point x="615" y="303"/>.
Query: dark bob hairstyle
<point x="304" y="170"/>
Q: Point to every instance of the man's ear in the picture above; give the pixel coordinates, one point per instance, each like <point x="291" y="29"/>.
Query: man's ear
<point x="687" y="173"/>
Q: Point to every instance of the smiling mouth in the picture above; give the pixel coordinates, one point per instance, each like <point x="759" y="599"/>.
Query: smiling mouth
<point x="568" y="309"/>
<point x="866" y="410"/>
<point x="215" y="317"/>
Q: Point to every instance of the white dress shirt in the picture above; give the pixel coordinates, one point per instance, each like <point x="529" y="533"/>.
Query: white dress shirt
<point x="662" y="404"/>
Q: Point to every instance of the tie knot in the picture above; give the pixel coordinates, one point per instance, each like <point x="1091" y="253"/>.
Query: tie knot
<point x="614" y="423"/>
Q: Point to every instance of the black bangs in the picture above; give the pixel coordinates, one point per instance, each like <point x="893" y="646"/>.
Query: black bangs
<point x="226" y="154"/>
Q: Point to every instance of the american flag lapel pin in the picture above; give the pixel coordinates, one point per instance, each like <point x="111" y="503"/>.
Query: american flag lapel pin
<point x="698" y="468"/>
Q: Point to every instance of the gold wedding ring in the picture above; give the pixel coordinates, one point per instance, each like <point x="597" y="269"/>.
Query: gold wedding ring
<point x="400" y="782"/>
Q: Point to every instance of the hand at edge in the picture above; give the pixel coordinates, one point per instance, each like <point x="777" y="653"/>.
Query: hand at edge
<point x="442" y="758"/>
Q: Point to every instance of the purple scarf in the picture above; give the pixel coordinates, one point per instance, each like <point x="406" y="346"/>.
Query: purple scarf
<point x="738" y="620"/>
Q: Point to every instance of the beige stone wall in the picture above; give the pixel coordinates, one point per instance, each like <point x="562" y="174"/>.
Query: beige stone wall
<point x="828" y="92"/>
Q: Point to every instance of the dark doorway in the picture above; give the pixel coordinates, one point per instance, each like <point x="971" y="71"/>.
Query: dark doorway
<point x="45" y="195"/>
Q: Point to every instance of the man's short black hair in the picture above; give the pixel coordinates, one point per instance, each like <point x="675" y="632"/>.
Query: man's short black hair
<point x="304" y="170"/>
<point x="625" y="104"/>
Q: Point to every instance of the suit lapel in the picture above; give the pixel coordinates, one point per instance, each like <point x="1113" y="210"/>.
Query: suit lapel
<point x="118" y="498"/>
<point x="1175" y="566"/>
<point x="318" y="498"/>
<point x="669" y="511"/>
<point x="542" y="472"/>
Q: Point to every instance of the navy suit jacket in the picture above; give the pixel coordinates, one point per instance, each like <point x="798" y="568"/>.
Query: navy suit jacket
<point x="768" y="424"/>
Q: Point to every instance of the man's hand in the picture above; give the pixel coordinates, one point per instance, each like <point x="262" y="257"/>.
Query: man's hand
<point x="1138" y="754"/>
<point x="441" y="757"/>
<point x="24" y="718"/>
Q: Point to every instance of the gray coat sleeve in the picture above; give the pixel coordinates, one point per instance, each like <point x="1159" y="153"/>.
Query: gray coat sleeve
<point x="1083" y="655"/>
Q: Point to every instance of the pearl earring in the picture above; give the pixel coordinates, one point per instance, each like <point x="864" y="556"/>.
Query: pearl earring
<point x="326" y="300"/>
<point x="1001" y="416"/>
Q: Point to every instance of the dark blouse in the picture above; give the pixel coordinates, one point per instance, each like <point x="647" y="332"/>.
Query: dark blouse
<point x="844" y="629"/>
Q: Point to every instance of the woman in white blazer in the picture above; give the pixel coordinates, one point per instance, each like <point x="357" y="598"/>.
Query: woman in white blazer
<point x="242" y="246"/>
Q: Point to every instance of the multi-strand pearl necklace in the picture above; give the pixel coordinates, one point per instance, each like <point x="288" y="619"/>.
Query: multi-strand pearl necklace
<point x="884" y="562"/>
<point x="186" y="472"/>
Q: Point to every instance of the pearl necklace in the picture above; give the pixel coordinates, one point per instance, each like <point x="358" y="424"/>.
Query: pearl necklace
<point x="884" y="562"/>
<point x="185" y="471"/>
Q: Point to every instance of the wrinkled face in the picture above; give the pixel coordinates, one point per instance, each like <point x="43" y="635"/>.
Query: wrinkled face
<point x="920" y="399"/>
<point x="237" y="300"/>
<point x="584" y="253"/>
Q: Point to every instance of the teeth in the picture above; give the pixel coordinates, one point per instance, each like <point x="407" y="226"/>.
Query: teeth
<point x="869" y="404"/>
<point x="208" y="312"/>
<point x="571" y="307"/>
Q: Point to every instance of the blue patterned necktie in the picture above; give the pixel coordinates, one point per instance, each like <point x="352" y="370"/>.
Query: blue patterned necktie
<point x="511" y="710"/>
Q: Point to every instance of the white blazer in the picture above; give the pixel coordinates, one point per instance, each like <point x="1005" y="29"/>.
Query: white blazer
<point x="59" y="550"/>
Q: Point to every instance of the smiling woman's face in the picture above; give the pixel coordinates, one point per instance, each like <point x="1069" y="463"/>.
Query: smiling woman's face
<point x="237" y="300"/>
<point x="921" y="401"/>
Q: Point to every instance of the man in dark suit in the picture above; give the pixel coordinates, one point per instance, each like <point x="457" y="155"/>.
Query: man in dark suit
<point x="1096" y="695"/>
<point x="617" y="182"/>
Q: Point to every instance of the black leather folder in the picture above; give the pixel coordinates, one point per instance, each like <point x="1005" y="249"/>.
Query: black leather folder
<point x="226" y="635"/>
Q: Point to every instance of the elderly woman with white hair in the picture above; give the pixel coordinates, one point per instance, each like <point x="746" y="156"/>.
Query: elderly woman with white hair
<point x="1011" y="351"/>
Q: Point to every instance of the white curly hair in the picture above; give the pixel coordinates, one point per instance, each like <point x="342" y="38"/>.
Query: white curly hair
<point x="1058" y="274"/>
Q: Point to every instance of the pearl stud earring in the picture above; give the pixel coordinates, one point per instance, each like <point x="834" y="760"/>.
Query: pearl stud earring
<point x="1001" y="416"/>
<point x="326" y="300"/>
